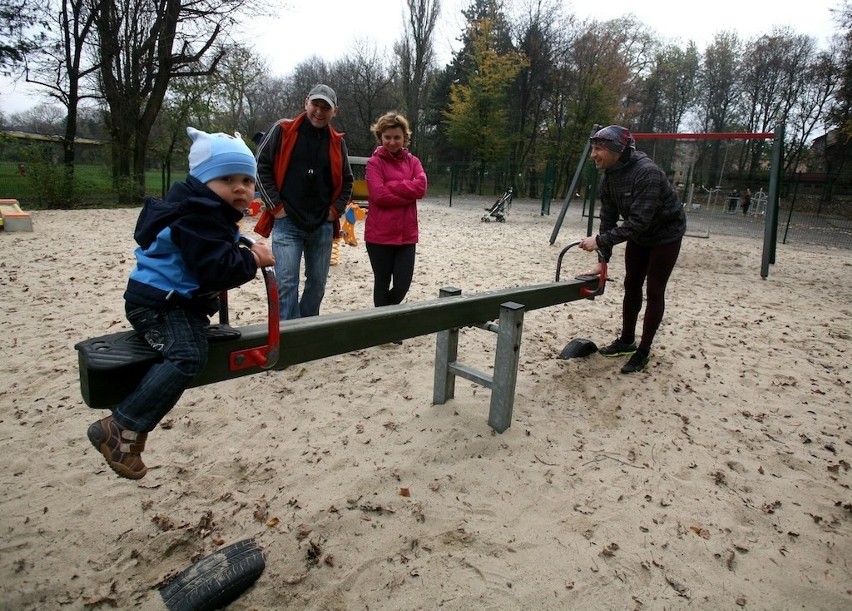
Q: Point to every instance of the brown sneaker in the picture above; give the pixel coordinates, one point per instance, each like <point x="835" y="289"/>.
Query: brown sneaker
<point x="120" y="446"/>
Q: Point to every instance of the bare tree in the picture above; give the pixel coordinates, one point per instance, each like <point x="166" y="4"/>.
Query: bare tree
<point x="774" y="69"/>
<point x="637" y="47"/>
<point x="810" y="112"/>
<point x="63" y="66"/>
<point x="539" y="28"/>
<point x="239" y="72"/>
<point x="22" y="26"/>
<point x="665" y="95"/>
<point x="590" y="89"/>
<point x="143" y="45"/>
<point x="840" y="113"/>
<point x="416" y="58"/>
<point x="267" y="100"/>
<point x="720" y="89"/>
<point x="41" y="119"/>
<point x="364" y="79"/>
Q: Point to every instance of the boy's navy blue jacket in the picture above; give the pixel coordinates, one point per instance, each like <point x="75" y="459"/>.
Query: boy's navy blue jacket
<point x="188" y="250"/>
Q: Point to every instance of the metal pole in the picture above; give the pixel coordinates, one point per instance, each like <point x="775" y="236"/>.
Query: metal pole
<point x="770" y="228"/>
<point x="724" y="161"/>
<point x="573" y="185"/>
<point x="593" y="195"/>
<point x="446" y="352"/>
<point x="547" y="190"/>
<point x="505" y="377"/>
<point x="790" y="213"/>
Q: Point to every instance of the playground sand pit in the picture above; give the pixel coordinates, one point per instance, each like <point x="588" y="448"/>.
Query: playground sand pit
<point x="719" y="478"/>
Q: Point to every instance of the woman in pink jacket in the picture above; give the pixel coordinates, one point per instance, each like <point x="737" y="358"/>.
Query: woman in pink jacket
<point x="395" y="181"/>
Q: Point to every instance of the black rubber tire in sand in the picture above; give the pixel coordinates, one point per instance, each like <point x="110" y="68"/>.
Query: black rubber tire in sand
<point x="578" y="348"/>
<point x="216" y="580"/>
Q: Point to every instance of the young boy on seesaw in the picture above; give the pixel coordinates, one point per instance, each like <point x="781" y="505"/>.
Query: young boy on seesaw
<point x="188" y="253"/>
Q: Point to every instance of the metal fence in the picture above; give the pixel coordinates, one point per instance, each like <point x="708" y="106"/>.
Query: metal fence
<point x="806" y="216"/>
<point x="802" y="219"/>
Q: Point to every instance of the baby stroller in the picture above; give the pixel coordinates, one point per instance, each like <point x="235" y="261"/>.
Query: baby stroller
<point x="500" y="208"/>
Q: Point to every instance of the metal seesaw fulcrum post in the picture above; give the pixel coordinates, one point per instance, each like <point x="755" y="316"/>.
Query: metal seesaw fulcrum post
<point x="509" y="330"/>
<point x="112" y="365"/>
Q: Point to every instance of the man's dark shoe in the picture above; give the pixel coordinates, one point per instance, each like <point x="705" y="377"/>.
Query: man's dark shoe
<point x="120" y="446"/>
<point x="636" y="363"/>
<point x="618" y="348"/>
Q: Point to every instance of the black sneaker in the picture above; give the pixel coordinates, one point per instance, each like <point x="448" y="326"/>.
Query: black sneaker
<point x="618" y="348"/>
<point x="635" y="363"/>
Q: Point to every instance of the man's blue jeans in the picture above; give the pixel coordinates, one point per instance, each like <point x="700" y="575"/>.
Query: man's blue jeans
<point x="179" y="336"/>
<point x="288" y="244"/>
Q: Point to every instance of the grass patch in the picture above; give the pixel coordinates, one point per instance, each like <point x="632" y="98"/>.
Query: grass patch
<point x="93" y="187"/>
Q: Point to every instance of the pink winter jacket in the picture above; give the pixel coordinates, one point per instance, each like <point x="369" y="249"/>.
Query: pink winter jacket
<point x="394" y="184"/>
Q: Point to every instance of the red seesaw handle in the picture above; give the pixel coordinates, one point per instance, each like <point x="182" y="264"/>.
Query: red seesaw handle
<point x="585" y="292"/>
<point x="265" y="357"/>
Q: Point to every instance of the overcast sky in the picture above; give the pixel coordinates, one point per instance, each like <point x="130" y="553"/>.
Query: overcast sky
<point x="328" y="29"/>
<point x="290" y="38"/>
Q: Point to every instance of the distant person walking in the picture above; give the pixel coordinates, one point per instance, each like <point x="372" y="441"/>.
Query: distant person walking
<point x="733" y="198"/>
<point x="745" y="201"/>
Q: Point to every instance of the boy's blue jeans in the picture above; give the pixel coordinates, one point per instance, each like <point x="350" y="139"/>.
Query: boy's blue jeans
<point x="288" y="244"/>
<point x="179" y="336"/>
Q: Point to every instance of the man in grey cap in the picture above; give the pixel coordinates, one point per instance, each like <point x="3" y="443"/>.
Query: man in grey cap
<point x="305" y="181"/>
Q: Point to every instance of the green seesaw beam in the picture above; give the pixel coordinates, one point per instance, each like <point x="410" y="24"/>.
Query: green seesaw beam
<point x="111" y="366"/>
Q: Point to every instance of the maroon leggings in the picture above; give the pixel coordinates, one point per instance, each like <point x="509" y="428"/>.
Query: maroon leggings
<point x="654" y="263"/>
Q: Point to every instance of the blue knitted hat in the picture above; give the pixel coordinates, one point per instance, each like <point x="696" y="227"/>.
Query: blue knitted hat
<point x="614" y="137"/>
<point x="212" y="156"/>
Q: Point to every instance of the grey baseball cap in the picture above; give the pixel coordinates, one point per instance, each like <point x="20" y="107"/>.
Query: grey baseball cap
<point x="324" y="93"/>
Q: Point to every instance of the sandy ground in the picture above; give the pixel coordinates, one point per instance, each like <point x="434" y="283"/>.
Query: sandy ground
<point x="716" y="479"/>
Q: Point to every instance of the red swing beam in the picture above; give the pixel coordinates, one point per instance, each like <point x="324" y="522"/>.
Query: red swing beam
<point x="706" y="136"/>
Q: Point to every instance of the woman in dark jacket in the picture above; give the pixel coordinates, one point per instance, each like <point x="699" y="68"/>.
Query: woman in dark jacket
<point x="636" y="190"/>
